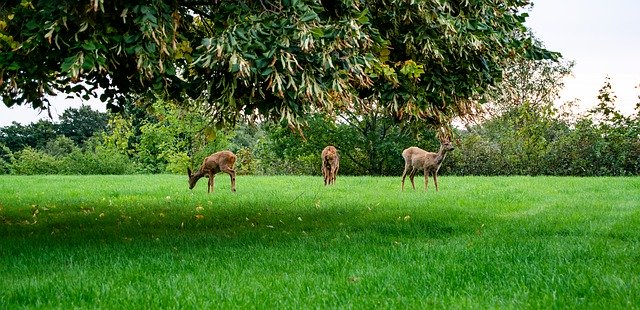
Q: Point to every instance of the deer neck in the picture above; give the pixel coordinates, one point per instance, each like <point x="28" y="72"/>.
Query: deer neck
<point x="198" y="174"/>
<point x="442" y="153"/>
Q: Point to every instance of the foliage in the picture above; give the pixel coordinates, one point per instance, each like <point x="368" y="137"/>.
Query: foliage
<point x="35" y="135"/>
<point x="98" y="161"/>
<point x="368" y="145"/>
<point x="426" y="60"/>
<point x="539" y="140"/>
<point x="76" y="161"/>
<point x="30" y="161"/>
<point x="82" y="123"/>
<point x="245" y="140"/>
<point x="372" y="142"/>
<point x="77" y="124"/>
<point x="6" y="157"/>
<point x="284" y="152"/>
<point x="536" y="83"/>
<point x="61" y="146"/>
<point x="163" y="137"/>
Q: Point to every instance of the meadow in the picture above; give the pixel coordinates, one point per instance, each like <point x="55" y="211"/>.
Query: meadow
<point x="289" y="242"/>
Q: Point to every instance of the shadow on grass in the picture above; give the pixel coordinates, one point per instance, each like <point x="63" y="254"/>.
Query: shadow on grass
<point x="223" y="227"/>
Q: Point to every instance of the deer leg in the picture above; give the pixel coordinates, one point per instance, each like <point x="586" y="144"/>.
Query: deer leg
<point x="413" y="174"/>
<point x="404" y="174"/>
<point x="232" y="174"/>
<point x="334" y="172"/>
<point x="426" y="178"/>
<point x="213" y="183"/>
<point x="327" y="176"/>
<point x="435" y="180"/>
<point x="324" y="175"/>
<point x="209" y="181"/>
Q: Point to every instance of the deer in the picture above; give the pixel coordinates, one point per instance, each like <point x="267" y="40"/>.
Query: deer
<point x="222" y="161"/>
<point x="418" y="159"/>
<point x="330" y="164"/>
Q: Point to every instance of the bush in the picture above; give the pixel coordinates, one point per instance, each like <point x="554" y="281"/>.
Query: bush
<point x="176" y="162"/>
<point x="99" y="161"/>
<point x="247" y="163"/>
<point x="5" y="159"/>
<point x="60" y="146"/>
<point x="30" y="162"/>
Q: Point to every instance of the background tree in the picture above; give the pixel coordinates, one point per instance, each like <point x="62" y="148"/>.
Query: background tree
<point x="162" y="137"/>
<point x="514" y="130"/>
<point x="35" y="135"/>
<point x="76" y="124"/>
<point x="82" y="123"/>
<point x="373" y="141"/>
<point x="537" y="83"/>
<point x="368" y="144"/>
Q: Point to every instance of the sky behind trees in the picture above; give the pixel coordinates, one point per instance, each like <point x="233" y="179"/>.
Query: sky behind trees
<point x="602" y="37"/>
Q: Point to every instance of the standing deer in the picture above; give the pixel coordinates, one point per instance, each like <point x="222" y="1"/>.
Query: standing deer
<point x="418" y="159"/>
<point x="330" y="164"/>
<point x="222" y="161"/>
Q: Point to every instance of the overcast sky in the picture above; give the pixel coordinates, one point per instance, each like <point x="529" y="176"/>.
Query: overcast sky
<point x="601" y="36"/>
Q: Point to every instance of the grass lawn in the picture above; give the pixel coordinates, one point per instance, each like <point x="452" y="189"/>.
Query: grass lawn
<point x="142" y="241"/>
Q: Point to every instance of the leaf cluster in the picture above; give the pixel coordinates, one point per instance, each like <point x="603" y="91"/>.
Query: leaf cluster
<point x="429" y="60"/>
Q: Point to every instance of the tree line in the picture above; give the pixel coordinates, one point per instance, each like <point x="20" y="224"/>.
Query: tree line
<point x="523" y="139"/>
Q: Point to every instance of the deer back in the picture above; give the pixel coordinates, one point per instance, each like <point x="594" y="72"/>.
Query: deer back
<point x="418" y="158"/>
<point x="329" y="155"/>
<point x="219" y="161"/>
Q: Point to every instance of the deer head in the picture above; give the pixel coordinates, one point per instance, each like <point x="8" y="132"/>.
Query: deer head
<point x="192" y="179"/>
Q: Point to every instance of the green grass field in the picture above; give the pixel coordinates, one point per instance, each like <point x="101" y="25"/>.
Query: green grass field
<point x="140" y="242"/>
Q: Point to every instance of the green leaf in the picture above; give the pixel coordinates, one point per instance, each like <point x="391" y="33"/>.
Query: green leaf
<point x="267" y="71"/>
<point x="68" y="63"/>
<point x="89" y="45"/>
<point x="308" y="16"/>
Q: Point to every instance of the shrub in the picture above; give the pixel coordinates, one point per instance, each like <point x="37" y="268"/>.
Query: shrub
<point x="30" y="162"/>
<point x="60" y="146"/>
<point x="247" y="163"/>
<point x="5" y="159"/>
<point x="98" y="161"/>
<point x="177" y="162"/>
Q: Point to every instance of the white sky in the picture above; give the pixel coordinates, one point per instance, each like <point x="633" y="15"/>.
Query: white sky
<point x="601" y="36"/>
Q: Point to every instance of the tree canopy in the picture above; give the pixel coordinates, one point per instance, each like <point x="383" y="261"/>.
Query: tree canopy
<point x="430" y="59"/>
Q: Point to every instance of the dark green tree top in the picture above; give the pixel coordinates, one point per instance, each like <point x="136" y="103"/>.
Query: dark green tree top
<point x="429" y="59"/>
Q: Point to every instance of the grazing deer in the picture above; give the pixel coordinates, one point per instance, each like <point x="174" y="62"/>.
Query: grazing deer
<point x="223" y="161"/>
<point x="418" y="159"/>
<point x="330" y="164"/>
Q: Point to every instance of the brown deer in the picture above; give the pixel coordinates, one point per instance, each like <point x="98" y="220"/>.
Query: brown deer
<point x="418" y="159"/>
<point x="222" y="161"/>
<point x="330" y="164"/>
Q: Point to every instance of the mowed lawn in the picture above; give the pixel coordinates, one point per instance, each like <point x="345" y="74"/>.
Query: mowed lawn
<point x="287" y="242"/>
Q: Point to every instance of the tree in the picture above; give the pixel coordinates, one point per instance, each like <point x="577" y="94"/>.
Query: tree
<point x="162" y="137"/>
<point x="537" y="83"/>
<point x="372" y="140"/>
<point x="35" y="135"/>
<point x="369" y="143"/>
<point x="428" y="59"/>
<point x="82" y="123"/>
